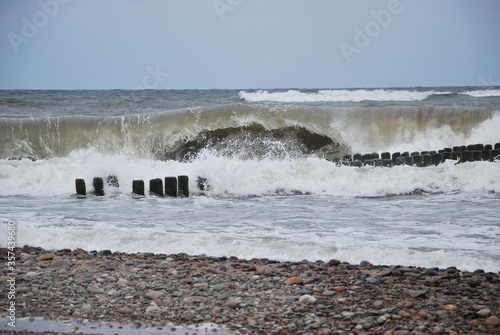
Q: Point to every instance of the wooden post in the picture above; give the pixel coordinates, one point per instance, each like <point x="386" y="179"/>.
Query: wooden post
<point x="138" y="187"/>
<point x="80" y="187"/>
<point x="183" y="183"/>
<point x="418" y="160"/>
<point x="447" y="155"/>
<point x="437" y="158"/>
<point x="112" y="180"/>
<point x="171" y="186"/>
<point x="156" y="187"/>
<point x="467" y="156"/>
<point x="477" y="155"/>
<point x="395" y="155"/>
<point x="98" y="186"/>
<point x="400" y="160"/>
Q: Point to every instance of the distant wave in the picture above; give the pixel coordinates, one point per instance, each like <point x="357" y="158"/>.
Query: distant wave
<point x="484" y="93"/>
<point x="336" y="95"/>
<point x="354" y="95"/>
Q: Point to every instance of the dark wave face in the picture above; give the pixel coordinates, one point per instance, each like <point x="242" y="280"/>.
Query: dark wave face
<point x="248" y="131"/>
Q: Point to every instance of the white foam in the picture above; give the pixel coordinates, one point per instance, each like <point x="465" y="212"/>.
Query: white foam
<point x="484" y="93"/>
<point x="241" y="177"/>
<point x="335" y="95"/>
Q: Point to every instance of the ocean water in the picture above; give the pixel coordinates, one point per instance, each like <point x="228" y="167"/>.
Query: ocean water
<point x="266" y="155"/>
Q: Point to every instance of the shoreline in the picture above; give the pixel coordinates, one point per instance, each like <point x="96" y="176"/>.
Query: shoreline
<point x="258" y="296"/>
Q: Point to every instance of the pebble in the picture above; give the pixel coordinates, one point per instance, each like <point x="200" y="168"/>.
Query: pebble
<point x="307" y="299"/>
<point x="483" y="313"/>
<point x="492" y="321"/>
<point x="294" y="281"/>
<point x="451" y="308"/>
<point x="45" y="257"/>
<point x="257" y="296"/>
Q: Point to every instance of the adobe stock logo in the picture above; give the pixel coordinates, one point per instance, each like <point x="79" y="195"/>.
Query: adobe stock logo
<point x="152" y="79"/>
<point x="363" y="37"/>
<point x="30" y="28"/>
<point x="223" y="6"/>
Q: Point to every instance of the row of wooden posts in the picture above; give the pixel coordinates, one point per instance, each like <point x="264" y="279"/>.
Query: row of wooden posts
<point x="174" y="186"/>
<point x="465" y="153"/>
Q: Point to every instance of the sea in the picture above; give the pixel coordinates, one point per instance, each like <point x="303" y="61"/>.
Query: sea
<point x="263" y="178"/>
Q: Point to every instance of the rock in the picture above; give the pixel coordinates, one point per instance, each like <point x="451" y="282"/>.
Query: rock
<point x="153" y="309"/>
<point x="372" y="280"/>
<point x="451" y="308"/>
<point x="339" y="289"/>
<point x="365" y="264"/>
<point x="473" y="283"/>
<point x="415" y="293"/>
<point x="334" y="262"/>
<point x="86" y="308"/>
<point x="328" y="293"/>
<point x="45" y="257"/>
<point x="307" y="299"/>
<point x="484" y="313"/>
<point x="95" y="290"/>
<point x="232" y="303"/>
<point x="123" y="282"/>
<point x="378" y="303"/>
<point x="124" y="310"/>
<point x="219" y="287"/>
<point x="294" y="281"/>
<point x="492" y="321"/>
<point x="153" y="295"/>
<point x="60" y="263"/>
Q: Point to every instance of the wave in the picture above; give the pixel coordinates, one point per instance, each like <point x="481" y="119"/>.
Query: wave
<point x="293" y="96"/>
<point x="484" y="93"/>
<point x="335" y="95"/>
<point x="252" y="131"/>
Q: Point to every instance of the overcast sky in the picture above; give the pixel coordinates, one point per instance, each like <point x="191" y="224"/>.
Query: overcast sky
<point x="164" y="44"/>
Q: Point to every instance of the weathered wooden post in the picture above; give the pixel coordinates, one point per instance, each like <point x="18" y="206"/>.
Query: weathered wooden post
<point x="395" y="155"/>
<point x="418" y="160"/>
<point x="202" y="183"/>
<point x="81" y="189"/>
<point x="477" y="155"/>
<point x="486" y="155"/>
<point x="495" y="154"/>
<point x="437" y="158"/>
<point x="447" y="155"/>
<point x="426" y="160"/>
<point x="400" y="160"/>
<point x="409" y="160"/>
<point x="171" y="186"/>
<point x="138" y="187"/>
<point x="183" y="182"/>
<point x="98" y="186"/>
<point x="467" y="156"/>
<point x="112" y="180"/>
<point x="156" y="187"/>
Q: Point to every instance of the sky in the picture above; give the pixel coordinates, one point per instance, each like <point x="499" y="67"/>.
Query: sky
<point x="248" y="44"/>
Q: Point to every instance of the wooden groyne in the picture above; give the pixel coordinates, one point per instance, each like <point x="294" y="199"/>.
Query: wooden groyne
<point x="178" y="186"/>
<point x="461" y="154"/>
<point x="175" y="186"/>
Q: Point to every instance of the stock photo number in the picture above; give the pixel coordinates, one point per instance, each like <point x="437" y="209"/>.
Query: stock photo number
<point x="11" y="273"/>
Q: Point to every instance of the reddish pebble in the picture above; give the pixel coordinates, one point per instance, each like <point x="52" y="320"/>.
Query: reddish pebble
<point x="339" y="289"/>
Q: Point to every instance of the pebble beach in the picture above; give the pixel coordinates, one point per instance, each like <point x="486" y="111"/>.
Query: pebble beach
<point x="258" y="296"/>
